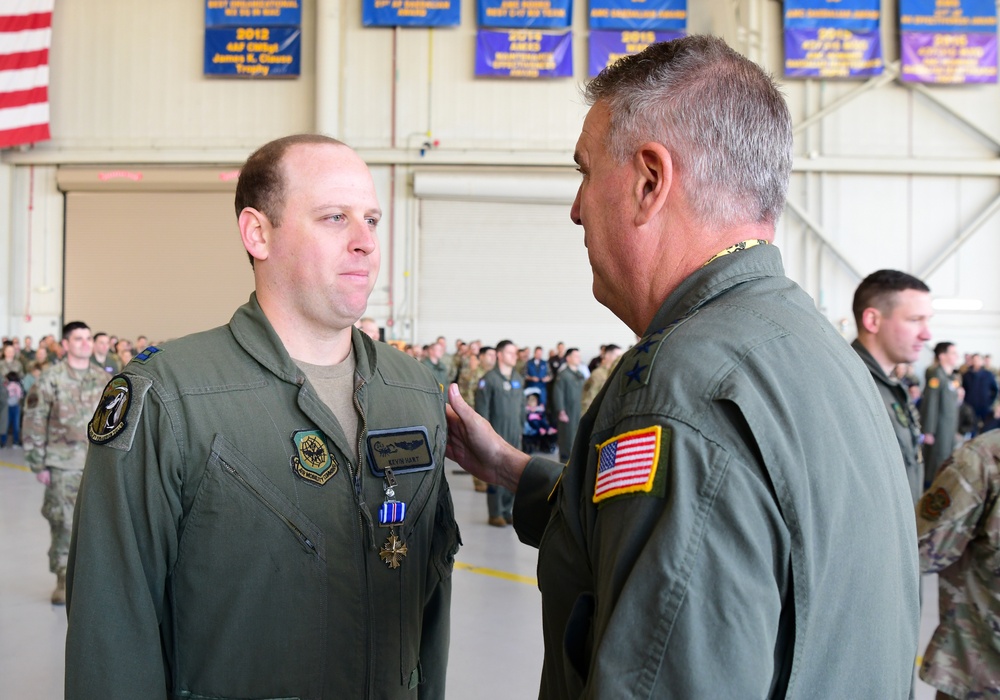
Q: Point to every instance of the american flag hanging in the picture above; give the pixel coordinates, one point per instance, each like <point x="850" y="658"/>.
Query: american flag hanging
<point x="25" y="35"/>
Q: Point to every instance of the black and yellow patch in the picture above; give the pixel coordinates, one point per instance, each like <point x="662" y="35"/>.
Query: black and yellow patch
<point x="403" y="450"/>
<point x="150" y="352"/>
<point x="933" y="504"/>
<point x="313" y="460"/>
<point x="638" y="362"/>
<point x="111" y="415"/>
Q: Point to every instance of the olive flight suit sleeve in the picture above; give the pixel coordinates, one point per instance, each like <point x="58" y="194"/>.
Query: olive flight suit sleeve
<point x="125" y="542"/>
<point x="436" y="632"/>
<point x="532" y="503"/>
<point x="706" y="549"/>
<point x="484" y="398"/>
<point x="930" y="404"/>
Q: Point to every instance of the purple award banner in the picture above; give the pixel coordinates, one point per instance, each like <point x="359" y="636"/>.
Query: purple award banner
<point x="523" y="53"/>
<point x="607" y="47"/>
<point x="953" y="58"/>
<point x="832" y="53"/>
<point x="638" y="14"/>
<point x="540" y="14"/>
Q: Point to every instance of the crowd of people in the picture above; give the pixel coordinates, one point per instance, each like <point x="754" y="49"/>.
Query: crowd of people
<point x="23" y="362"/>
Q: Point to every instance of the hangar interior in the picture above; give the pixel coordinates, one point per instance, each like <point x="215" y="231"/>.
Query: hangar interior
<point x="124" y="218"/>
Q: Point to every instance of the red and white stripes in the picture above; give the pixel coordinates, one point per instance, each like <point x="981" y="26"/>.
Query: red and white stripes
<point x="25" y="36"/>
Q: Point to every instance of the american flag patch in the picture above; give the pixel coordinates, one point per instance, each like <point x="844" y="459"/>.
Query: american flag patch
<point x="627" y="463"/>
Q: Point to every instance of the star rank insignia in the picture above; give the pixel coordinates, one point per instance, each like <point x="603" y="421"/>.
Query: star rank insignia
<point x="393" y="551"/>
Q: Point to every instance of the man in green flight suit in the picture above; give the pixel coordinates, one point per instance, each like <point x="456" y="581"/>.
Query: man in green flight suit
<point x="500" y="400"/>
<point x="722" y="528"/>
<point x="567" y="397"/>
<point x="264" y="511"/>
<point x="892" y="310"/>
<point x="939" y="409"/>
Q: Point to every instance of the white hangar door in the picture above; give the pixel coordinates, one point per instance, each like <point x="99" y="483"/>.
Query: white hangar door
<point x="495" y="270"/>
<point x="159" y="264"/>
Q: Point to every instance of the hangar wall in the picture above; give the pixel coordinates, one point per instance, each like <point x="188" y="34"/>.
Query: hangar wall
<point x="886" y="175"/>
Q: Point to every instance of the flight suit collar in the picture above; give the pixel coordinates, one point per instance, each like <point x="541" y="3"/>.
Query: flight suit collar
<point x="716" y="278"/>
<point x="873" y="366"/>
<point x="257" y="336"/>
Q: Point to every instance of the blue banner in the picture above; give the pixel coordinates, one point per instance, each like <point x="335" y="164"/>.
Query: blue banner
<point x="547" y="14"/>
<point x="856" y="15"/>
<point x="947" y="15"/>
<point x="832" y="39"/>
<point x="411" y="13"/>
<point x="608" y="47"/>
<point x="252" y="13"/>
<point x="638" y="14"/>
<point x="253" y="52"/>
<point x="524" y="53"/>
<point x="832" y="53"/>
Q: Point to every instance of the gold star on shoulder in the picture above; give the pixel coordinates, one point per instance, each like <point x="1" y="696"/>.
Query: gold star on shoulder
<point x="393" y="551"/>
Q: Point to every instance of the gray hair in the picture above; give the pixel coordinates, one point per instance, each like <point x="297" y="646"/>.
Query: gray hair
<point x="721" y="116"/>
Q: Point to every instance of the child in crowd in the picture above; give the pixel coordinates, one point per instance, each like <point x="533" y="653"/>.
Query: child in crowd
<point x="15" y="394"/>
<point x="538" y="434"/>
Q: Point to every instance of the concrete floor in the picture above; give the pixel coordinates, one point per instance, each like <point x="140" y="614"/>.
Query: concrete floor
<point x="496" y="646"/>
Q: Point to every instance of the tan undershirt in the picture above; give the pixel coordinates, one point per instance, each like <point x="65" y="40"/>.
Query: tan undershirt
<point x="334" y="384"/>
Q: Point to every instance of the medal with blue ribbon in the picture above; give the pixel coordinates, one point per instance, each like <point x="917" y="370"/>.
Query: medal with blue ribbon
<point x="390" y="514"/>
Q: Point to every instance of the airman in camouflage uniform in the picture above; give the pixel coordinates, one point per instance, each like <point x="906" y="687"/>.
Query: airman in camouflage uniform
<point x="595" y="382"/>
<point x="56" y="413"/>
<point x="958" y="525"/>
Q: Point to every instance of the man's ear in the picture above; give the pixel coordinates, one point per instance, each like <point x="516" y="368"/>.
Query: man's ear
<point x="871" y="319"/>
<point x="654" y="175"/>
<point x="255" y="230"/>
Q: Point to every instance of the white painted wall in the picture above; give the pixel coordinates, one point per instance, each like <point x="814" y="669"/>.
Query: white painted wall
<point x="891" y="177"/>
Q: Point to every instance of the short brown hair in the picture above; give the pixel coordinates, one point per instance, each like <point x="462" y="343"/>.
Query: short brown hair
<point x="261" y="184"/>
<point x="879" y="289"/>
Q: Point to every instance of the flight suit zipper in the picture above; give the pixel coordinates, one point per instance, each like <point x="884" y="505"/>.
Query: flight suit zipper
<point x="288" y="523"/>
<point x="365" y="514"/>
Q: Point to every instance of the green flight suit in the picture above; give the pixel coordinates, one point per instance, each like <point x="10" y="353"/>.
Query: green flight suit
<point x="904" y="419"/>
<point x="567" y="396"/>
<point x="501" y="401"/>
<point x="441" y="371"/>
<point x="227" y="543"/>
<point x="938" y="417"/>
<point x="774" y="555"/>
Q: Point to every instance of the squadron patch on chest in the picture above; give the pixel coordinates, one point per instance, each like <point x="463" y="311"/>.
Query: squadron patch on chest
<point x="901" y="415"/>
<point x="402" y="450"/>
<point x="111" y="415"/>
<point x="627" y="463"/>
<point x="313" y="460"/>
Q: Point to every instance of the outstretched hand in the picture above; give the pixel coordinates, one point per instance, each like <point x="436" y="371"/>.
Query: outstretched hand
<point x="474" y="444"/>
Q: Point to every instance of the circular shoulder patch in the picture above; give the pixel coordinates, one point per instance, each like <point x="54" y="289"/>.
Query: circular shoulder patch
<point x="112" y="410"/>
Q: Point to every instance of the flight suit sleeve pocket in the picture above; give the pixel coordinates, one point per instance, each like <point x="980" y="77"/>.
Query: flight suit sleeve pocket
<point x="578" y="639"/>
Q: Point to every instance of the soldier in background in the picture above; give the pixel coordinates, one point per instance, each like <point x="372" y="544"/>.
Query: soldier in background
<point x="892" y="310"/>
<point x="599" y="375"/>
<point x="566" y="398"/>
<point x="56" y="413"/>
<point x="939" y="409"/>
<point x="958" y="525"/>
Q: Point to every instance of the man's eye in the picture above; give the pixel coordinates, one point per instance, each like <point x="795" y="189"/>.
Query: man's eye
<point x="372" y="221"/>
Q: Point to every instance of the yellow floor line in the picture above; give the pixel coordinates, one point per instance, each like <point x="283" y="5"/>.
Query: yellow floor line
<point x="496" y="574"/>
<point x="20" y="467"/>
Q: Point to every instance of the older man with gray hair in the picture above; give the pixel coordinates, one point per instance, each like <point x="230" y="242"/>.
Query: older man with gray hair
<point x="722" y="529"/>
